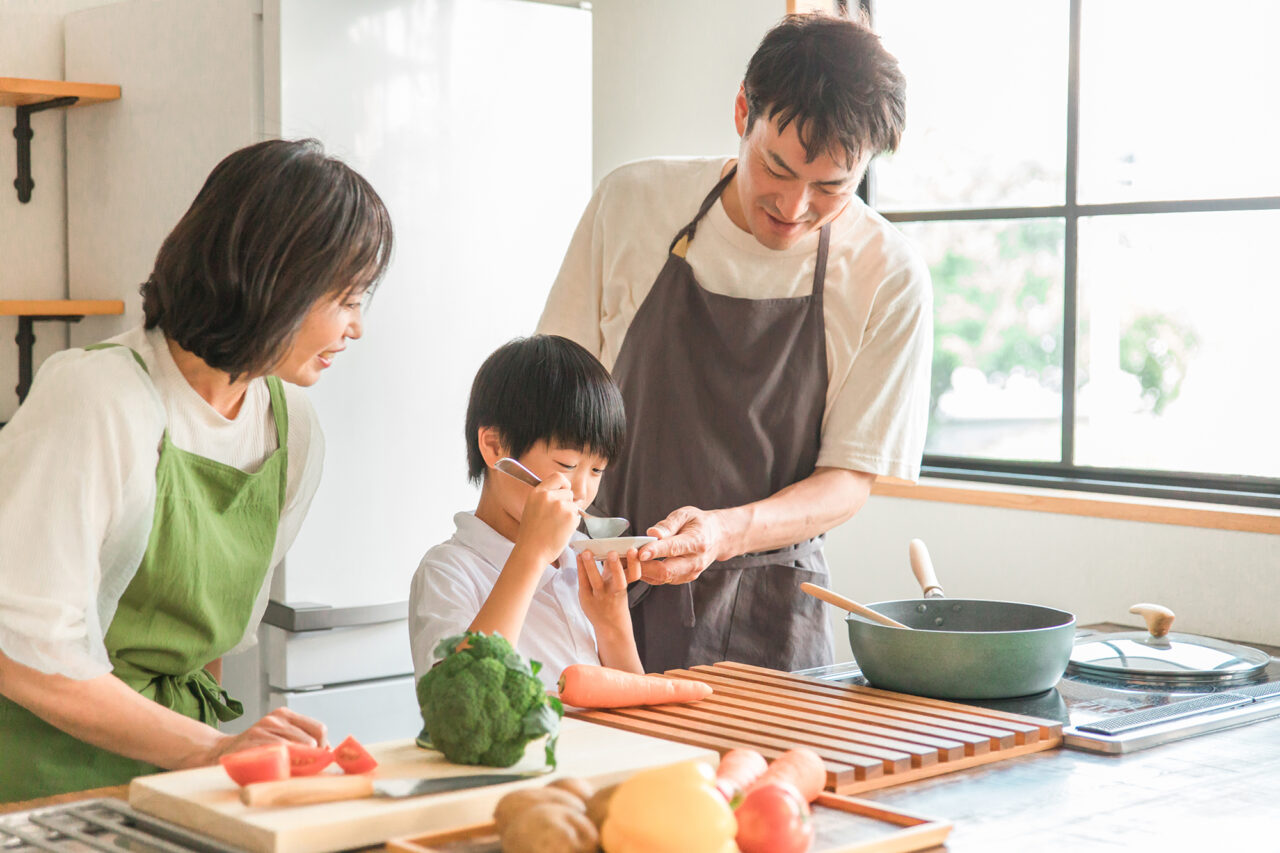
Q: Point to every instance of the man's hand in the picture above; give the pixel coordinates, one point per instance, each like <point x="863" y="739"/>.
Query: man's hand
<point x="689" y="540"/>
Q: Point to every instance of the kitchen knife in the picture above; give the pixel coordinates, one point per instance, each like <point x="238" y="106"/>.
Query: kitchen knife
<point x="328" y="788"/>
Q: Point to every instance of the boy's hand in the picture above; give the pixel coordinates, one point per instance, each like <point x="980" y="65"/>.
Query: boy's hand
<point x="549" y="519"/>
<point x="602" y="590"/>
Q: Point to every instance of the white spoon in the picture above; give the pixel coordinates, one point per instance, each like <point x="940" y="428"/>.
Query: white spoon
<point x="598" y="527"/>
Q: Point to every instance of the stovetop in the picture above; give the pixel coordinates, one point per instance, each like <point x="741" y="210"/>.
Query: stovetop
<point x="106" y="824"/>
<point x="1115" y="717"/>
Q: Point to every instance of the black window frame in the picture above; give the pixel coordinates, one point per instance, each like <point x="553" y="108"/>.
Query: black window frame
<point x="1239" y="490"/>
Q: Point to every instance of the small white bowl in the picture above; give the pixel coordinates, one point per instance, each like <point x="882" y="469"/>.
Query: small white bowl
<point x="600" y="548"/>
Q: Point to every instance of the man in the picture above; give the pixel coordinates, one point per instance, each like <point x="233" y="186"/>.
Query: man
<point x="771" y="336"/>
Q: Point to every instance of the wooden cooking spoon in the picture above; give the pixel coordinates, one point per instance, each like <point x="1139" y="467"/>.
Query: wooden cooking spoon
<point x="850" y="605"/>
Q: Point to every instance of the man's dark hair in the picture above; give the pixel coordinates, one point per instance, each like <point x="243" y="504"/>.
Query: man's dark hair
<point x="276" y="227"/>
<point x="833" y="77"/>
<point x="544" y="388"/>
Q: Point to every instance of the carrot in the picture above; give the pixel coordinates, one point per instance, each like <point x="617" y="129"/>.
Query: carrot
<point x="801" y="767"/>
<point x="589" y="686"/>
<point x="738" y="769"/>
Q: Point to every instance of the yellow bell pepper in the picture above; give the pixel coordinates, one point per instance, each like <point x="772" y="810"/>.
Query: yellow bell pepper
<point x="672" y="809"/>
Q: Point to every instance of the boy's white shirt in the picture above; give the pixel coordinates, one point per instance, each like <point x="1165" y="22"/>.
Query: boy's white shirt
<point x="454" y="579"/>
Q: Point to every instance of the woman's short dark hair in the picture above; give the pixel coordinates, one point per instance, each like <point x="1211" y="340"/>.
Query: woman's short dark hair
<point x="276" y="227"/>
<point x="835" y="79"/>
<point x="544" y="388"/>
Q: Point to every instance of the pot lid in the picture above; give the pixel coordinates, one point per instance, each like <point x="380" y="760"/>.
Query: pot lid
<point x="1156" y="656"/>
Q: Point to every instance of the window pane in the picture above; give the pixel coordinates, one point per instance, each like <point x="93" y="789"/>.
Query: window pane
<point x="997" y="357"/>
<point x="1178" y="100"/>
<point x="986" y="103"/>
<point x="1177" y="350"/>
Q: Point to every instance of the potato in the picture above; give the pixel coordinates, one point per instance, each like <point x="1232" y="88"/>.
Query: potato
<point x="580" y="788"/>
<point x="513" y="804"/>
<point x="598" y="805"/>
<point x="550" y="828"/>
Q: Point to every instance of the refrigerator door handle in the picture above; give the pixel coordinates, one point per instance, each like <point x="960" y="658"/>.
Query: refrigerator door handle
<point x="308" y="616"/>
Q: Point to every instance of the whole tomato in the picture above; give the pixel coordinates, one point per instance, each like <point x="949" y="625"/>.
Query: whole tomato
<point x="774" y="818"/>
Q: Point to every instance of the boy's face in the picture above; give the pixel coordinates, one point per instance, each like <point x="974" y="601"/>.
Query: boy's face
<point x="582" y="467"/>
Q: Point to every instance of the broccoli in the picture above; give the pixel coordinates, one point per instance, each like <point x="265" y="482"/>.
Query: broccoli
<point x="482" y="703"/>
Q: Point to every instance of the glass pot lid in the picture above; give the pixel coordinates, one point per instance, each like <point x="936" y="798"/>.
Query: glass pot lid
<point x="1158" y="657"/>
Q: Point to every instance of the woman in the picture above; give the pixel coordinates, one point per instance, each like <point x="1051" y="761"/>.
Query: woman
<point x="151" y="483"/>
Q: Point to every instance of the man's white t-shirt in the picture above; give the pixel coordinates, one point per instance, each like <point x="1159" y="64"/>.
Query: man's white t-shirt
<point x="454" y="579"/>
<point x="78" y="464"/>
<point x="877" y="299"/>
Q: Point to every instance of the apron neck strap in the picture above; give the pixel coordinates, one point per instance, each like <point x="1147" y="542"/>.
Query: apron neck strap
<point x="680" y="244"/>
<point x="686" y="233"/>
<point x="279" y="412"/>
<point x="820" y="266"/>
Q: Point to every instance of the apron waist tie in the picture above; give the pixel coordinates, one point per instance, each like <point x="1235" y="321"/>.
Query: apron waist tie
<point x="684" y="601"/>
<point x="176" y="691"/>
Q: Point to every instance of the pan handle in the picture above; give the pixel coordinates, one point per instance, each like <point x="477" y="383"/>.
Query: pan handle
<point x="821" y="592"/>
<point x="922" y="566"/>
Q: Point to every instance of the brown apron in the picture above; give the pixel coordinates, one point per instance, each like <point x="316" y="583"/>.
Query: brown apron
<point x="724" y="400"/>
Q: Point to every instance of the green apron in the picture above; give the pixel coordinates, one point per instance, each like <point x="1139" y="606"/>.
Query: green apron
<point x="189" y="603"/>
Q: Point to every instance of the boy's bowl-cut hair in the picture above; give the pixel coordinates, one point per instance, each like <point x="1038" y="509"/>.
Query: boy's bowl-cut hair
<point x="276" y="227"/>
<point x="544" y="388"/>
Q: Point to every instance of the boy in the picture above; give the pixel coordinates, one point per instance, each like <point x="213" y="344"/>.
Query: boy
<point x="548" y="403"/>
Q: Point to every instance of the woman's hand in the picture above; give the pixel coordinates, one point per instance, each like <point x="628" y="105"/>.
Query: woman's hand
<point x="109" y="714"/>
<point x="282" y="725"/>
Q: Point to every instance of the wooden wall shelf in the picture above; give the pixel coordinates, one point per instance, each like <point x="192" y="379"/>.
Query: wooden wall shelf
<point x="60" y="308"/>
<point x="22" y="92"/>
<point x="29" y="311"/>
<point x="33" y="96"/>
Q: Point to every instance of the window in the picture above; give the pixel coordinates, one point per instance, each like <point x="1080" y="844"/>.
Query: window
<point x="1095" y="186"/>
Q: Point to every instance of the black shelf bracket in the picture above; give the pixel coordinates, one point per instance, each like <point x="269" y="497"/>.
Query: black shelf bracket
<point x="22" y="132"/>
<point x="26" y="341"/>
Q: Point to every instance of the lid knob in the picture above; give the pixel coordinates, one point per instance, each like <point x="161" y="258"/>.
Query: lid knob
<point x="1159" y="618"/>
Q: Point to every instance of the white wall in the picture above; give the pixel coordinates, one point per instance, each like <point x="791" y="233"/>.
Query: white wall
<point x="190" y="77"/>
<point x="665" y="75"/>
<point x="33" y="236"/>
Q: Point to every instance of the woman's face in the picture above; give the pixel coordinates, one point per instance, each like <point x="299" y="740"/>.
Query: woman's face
<point x="321" y="337"/>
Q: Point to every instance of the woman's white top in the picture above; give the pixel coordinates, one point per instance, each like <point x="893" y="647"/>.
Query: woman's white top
<point x="454" y="579"/>
<point x="78" y="465"/>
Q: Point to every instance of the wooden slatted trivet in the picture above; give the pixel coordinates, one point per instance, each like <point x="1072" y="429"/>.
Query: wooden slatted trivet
<point x="867" y="738"/>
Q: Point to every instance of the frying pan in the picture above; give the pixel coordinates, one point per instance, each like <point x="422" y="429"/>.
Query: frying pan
<point x="961" y="648"/>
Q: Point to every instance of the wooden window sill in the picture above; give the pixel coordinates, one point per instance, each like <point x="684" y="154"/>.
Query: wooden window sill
<point x="1122" y="507"/>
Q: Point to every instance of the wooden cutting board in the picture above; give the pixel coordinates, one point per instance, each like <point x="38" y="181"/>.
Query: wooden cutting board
<point x="207" y="801"/>
<point x="867" y="738"/>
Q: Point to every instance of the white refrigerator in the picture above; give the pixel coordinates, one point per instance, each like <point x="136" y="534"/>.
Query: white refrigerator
<point x="472" y="119"/>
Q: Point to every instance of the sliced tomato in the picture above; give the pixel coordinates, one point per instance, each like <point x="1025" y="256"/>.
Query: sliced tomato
<point x="257" y="764"/>
<point x="352" y="757"/>
<point x="308" y="760"/>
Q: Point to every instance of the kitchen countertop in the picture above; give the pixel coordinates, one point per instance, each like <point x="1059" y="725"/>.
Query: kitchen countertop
<point x="1196" y="794"/>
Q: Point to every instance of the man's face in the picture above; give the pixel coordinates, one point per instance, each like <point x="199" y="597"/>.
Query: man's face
<point x="777" y="195"/>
